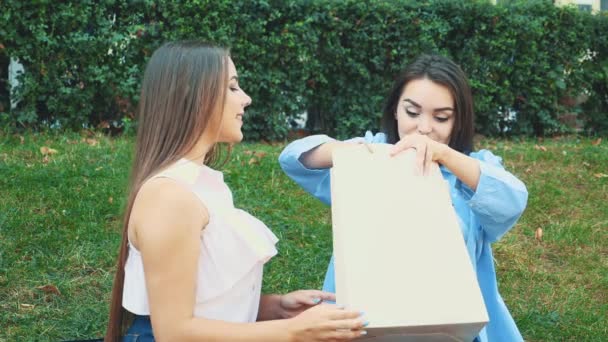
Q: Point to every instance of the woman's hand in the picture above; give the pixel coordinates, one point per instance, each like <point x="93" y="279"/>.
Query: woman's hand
<point x="429" y="153"/>
<point x="326" y="322"/>
<point x="294" y="303"/>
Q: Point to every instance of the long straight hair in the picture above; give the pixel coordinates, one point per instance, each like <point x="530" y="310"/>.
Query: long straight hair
<point x="445" y="72"/>
<point x="184" y="86"/>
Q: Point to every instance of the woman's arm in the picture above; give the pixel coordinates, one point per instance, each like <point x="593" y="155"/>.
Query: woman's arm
<point x="499" y="199"/>
<point x="307" y="161"/>
<point x="429" y="151"/>
<point x="270" y="307"/>
<point x="462" y="166"/>
<point x="320" y="157"/>
<point x="495" y="195"/>
<point x="167" y="220"/>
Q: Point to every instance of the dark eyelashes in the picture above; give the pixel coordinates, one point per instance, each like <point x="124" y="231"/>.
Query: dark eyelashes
<point x="414" y="114"/>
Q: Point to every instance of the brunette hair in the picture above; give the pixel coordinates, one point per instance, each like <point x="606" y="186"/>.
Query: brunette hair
<point x="184" y="86"/>
<point x="445" y="72"/>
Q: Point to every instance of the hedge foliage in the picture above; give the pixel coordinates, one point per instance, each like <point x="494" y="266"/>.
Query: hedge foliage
<point x="333" y="59"/>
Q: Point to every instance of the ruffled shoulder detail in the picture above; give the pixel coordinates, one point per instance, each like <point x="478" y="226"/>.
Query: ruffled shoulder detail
<point x="232" y="245"/>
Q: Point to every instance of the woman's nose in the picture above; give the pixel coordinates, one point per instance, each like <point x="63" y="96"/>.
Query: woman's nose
<point x="424" y="125"/>
<point x="247" y="100"/>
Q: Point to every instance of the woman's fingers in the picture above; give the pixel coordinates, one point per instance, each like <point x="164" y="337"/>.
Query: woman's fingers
<point x="337" y="313"/>
<point x="421" y="152"/>
<point x="428" y="162"/>
<point x="401" y="146"/>
<point x="345" y="335"/>
<point x="352" y="324"/>
<point x="326" y="296"/>
<point x="313" y="297"/>
<point x="417" y="143"/>
<point x="426" y="152"/>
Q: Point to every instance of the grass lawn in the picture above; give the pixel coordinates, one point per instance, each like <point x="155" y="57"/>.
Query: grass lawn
<point x="60" y="214"/>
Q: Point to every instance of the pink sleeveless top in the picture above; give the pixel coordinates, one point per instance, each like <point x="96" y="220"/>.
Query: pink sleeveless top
<point x="234" y="248"/>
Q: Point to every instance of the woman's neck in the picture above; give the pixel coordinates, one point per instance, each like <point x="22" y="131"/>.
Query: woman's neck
<point x="200" y="150"/>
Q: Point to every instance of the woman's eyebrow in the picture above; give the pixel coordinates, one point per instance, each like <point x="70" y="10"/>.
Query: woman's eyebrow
<point x="413" y="102"/>
<point x="441" y="109"/>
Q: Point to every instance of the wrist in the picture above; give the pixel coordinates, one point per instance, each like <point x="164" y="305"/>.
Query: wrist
<point x="289" y="331"/>
<point x="278" y="310"/>
<point x="444" y="154"/>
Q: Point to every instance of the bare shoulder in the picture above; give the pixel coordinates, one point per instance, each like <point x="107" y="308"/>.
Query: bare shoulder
<point x="164" y="210"/>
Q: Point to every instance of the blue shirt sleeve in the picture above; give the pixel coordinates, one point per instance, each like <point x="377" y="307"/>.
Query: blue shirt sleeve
<point x="315" y="181"/>
<point x="500" y="198"/>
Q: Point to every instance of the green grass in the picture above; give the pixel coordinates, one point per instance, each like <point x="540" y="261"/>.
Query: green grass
<point x="59" y="221"/>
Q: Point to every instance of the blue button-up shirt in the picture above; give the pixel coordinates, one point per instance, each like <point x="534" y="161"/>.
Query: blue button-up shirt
<point x="485" y="215"/>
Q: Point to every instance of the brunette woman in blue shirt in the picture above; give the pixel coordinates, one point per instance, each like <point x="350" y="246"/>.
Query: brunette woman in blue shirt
<point x="430" y="109"/>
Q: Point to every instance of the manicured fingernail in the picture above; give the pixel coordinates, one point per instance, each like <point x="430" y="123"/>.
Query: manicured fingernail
<point x="361" y="313"/>
<point x="363" y="332"/>
<point x="316" y="300"/>
<point x="366" y="323"/>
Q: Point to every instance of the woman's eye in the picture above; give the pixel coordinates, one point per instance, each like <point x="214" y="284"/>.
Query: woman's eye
<point x="441" y="119"/>
<point x="411" y="113"/>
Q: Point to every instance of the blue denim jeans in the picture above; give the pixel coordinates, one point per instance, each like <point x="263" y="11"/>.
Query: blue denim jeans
<point x="140" y="330"/>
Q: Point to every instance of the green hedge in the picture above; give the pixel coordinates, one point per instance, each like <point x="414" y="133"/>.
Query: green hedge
<point x="334" y="59"/>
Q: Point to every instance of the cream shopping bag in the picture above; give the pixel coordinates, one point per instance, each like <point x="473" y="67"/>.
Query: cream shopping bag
<point x="399" y="252"/>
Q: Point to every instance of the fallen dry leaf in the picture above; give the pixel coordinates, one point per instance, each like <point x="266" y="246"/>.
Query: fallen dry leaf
<point x="596" y="142"/>
<point x="528" y="170"/>
<point x="540" y="147"/>
<point x="110" y="200"/>
<point x="600" y="175"/>
<point x="91" y="141"/>
<point x="253" y="161"/>
<point x="586" y="164"/>
<point x="26" y="306"/>
<point x="45" y="159"/>
<point x="538" y="234"/>
<point x="259" y="154"/>
<point x="47" y="151"/>
<point x="51" y="289"/>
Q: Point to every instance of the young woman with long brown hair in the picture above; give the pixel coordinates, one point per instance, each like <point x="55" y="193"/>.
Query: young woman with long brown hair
<point x="430" y="109"/>
<point x="190" y="263"/>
